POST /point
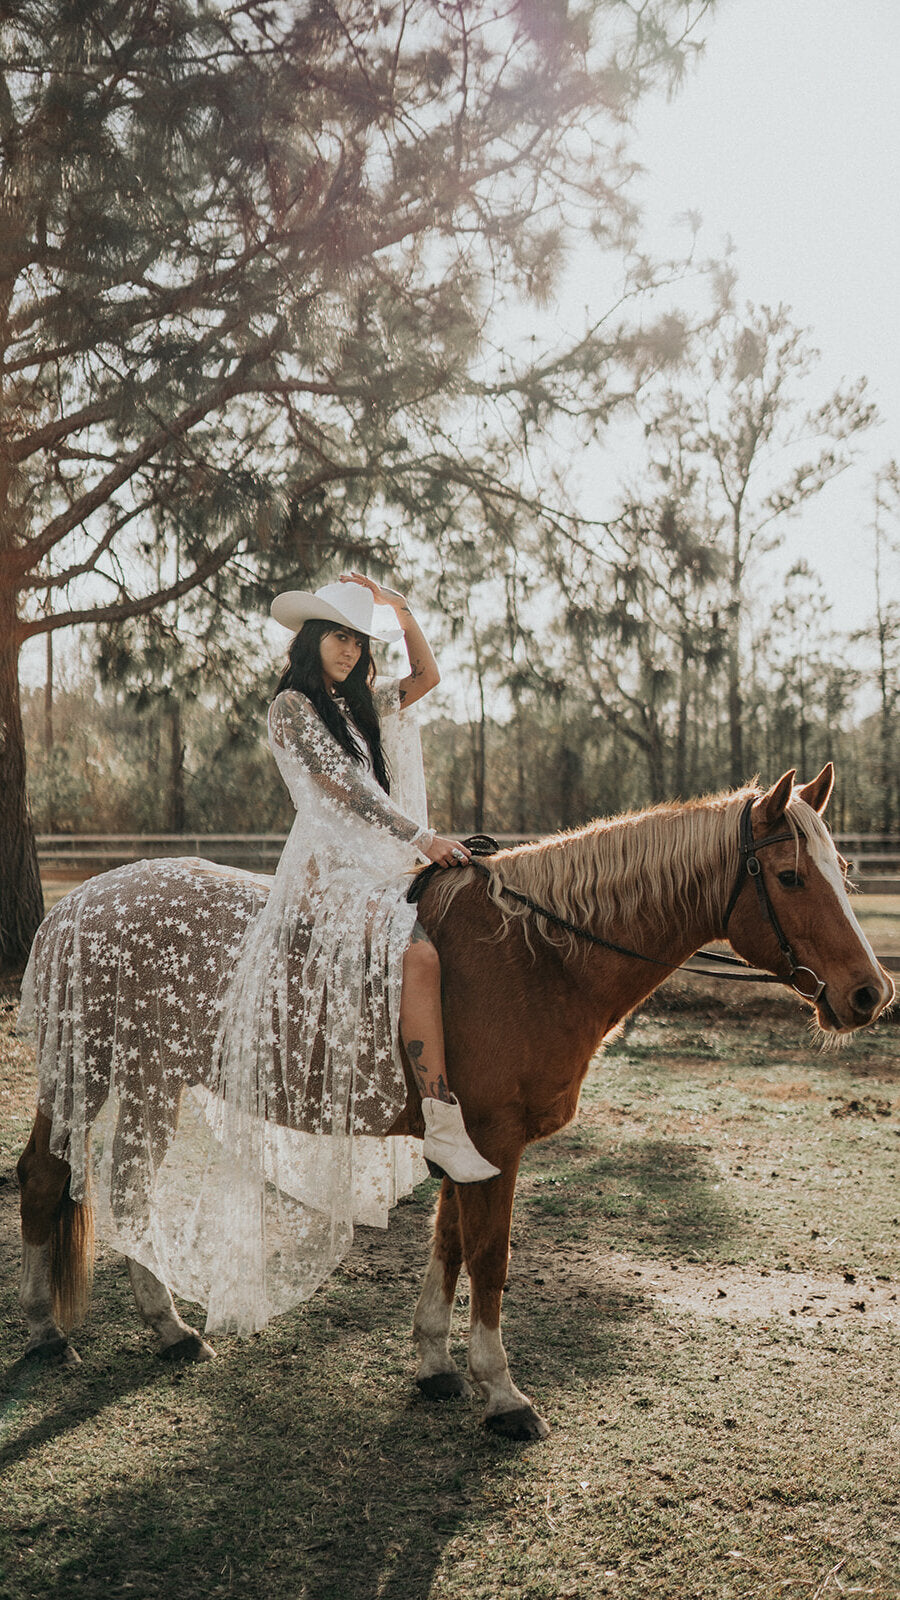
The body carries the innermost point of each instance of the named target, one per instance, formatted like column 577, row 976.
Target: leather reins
column 749, row 869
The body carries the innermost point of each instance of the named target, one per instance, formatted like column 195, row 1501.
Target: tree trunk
column 886, row 730
column 737, row 775
column 21, row 899
column 48, row 695
column 177, row 812
column 679, row 774
column 453, row 795
column 569, row 769
column 521, row 823
column 656, row 769
column 477, row 737
column 735, row 710
column 478, row 751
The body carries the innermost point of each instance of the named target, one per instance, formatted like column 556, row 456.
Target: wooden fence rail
column 874, row 858
column 76, row 855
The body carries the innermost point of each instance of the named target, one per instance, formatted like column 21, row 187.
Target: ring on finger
column 458, row 856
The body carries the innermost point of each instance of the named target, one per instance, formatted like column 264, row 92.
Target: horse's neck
column 663, row 925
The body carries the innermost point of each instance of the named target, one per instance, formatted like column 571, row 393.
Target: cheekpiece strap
column 750, row 867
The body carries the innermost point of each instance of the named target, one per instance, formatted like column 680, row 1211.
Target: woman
column 325, row 724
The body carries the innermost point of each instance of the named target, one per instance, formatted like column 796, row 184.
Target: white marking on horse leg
column 431, row 1325
column 156, row 1306
column 35, row 1299
column 489, row 1369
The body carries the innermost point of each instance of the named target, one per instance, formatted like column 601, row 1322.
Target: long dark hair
column 304, row 673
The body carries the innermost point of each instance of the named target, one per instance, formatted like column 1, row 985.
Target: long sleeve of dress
column 298, row 733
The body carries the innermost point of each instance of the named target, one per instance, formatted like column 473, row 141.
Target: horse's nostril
column 864, row 999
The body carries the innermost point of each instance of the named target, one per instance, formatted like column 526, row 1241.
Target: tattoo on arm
column 418, row 935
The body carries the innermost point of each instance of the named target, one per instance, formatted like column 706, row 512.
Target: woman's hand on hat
column 448, row 852
column 381, row 597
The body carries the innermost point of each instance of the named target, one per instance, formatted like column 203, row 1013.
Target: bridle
column 749, row 869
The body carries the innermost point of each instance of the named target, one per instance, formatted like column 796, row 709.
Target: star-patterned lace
column 230, row 1040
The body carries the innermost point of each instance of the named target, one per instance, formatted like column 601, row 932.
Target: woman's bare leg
column 447, row 1148
column 421, row 1024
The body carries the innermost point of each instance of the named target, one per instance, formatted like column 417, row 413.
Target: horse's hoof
column 443, row 1386
column 190, row 1348
column 523, row 1424
column 58, row 1351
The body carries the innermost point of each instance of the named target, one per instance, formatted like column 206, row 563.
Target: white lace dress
column 231, row 1040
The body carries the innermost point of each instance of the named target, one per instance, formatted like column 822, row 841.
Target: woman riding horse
column 230, row 1044
column 325, row 720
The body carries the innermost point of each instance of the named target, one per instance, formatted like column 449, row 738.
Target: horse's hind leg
column 43, row 1181
column 178, row 1341
column 438, row 1376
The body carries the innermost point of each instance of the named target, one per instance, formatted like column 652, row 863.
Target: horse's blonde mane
column 598, row 876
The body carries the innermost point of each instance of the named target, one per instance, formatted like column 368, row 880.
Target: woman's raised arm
column 423, row 674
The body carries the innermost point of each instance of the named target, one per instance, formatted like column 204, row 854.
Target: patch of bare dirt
column 800, row 1090
column 730, row 1293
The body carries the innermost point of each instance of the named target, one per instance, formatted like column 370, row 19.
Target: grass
column 688, row 1264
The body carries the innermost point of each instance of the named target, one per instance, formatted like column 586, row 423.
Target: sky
column 786, row 139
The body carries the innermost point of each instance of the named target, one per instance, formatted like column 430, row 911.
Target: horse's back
column 129, row 968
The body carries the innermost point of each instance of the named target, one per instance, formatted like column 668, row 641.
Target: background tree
column 246, row 262
column 757, row 453
column 796, row 654
column 883, row 635
column 642, row 623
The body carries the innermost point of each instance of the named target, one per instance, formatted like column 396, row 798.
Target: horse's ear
column 816, row 793
column 773, row 803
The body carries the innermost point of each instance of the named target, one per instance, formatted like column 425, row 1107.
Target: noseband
column 750, row 868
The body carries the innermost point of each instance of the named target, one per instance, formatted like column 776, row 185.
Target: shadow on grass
column 317, row 1474
column 303, row 1465
column 655, row 1190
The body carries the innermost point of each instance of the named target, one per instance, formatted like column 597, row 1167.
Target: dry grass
column 703, row 1300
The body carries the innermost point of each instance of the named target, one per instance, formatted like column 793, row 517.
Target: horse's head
column 790, row 913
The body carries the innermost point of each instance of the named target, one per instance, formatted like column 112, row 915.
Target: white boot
column 448, row 1147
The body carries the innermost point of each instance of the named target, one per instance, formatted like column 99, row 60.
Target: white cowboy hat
column 349, row 603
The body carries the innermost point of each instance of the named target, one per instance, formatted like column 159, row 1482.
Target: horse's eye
column 790, row 879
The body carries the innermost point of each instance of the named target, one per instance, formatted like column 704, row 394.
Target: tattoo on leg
column 429, row 1088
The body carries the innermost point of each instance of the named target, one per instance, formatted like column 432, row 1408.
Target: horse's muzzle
column 860, row 1005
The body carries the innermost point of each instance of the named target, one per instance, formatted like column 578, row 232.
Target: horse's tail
column 71, row 1259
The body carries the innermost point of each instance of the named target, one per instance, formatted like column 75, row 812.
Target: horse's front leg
column 178, row 1341
column 438, row 1376
column 485, row 1217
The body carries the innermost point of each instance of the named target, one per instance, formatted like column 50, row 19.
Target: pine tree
column 246, row 260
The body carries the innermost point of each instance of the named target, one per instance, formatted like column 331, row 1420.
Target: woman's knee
column 421, row 961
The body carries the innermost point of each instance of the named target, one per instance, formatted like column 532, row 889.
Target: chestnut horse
column 527, row 1002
